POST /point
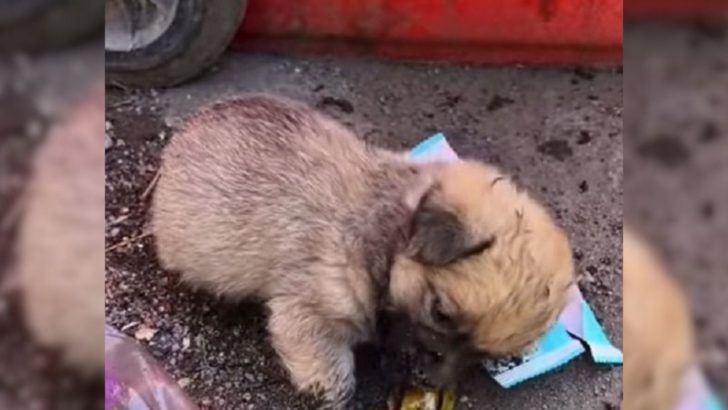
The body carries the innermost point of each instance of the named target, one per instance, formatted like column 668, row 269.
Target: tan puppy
column 61, row 243
column 658, row 337
column 265, row 198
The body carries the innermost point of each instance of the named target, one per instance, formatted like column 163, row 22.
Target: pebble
column 108, row 142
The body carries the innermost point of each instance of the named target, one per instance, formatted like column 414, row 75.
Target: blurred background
column 50, row 57
column 52, row 65
column 676, row 178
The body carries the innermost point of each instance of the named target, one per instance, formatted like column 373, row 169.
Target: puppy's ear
column 437, row 236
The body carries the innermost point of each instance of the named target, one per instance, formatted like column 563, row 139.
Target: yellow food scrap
column 425, row 399
column 448, row 400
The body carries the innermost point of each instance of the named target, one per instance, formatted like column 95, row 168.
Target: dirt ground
column 676, row 162
column 558, row 131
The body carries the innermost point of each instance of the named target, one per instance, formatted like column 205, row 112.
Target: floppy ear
column 437, row 236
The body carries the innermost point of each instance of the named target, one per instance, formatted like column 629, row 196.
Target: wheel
column 161, row 43
column 36, row 25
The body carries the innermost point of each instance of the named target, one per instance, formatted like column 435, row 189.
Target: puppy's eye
column 479, row 248
column 439, row 316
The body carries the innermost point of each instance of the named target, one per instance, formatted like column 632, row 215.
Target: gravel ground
column 676, row 160
column 558, row 131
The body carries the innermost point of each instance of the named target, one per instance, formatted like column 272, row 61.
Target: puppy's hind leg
column 318, row 359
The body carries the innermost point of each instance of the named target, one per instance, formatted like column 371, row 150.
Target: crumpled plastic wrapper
column 135, row 381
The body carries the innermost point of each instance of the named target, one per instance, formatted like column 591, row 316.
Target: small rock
column 249, row 377
column 247, row 397
column 184, row 382
column 108, row 142
column 145, row 333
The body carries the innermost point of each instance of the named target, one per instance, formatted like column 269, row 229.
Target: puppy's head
column 486, row 270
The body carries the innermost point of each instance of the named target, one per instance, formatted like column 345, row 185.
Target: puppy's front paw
column 317, row 362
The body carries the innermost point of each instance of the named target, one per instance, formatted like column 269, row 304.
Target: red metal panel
column 677, row 9
column 480, row 31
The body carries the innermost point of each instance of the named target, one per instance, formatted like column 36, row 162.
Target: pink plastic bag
column 135, row 381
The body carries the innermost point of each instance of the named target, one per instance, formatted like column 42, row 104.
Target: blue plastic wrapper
column 576, row 331
column 696, row 393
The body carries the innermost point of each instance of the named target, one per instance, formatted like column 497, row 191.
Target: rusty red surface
column 476, row 31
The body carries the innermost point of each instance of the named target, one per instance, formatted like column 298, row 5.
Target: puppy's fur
column 61, row 242
column 658, row 335
column 265, row 198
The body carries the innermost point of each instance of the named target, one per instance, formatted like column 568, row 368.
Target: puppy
column 658, row 335
column 61, row 243
column 265, row 198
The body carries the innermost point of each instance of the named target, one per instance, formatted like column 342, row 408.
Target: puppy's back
column 249, row 188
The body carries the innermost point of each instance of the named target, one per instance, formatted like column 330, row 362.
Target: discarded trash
column 135, row 381
column 418, row 398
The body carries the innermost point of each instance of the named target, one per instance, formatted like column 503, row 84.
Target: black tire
column 199, row 33
column 40, row 25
